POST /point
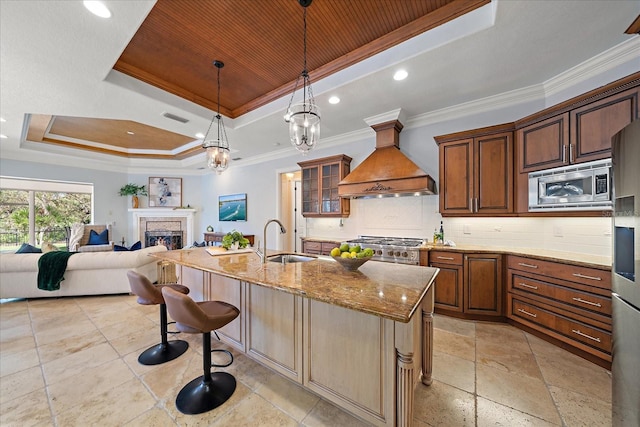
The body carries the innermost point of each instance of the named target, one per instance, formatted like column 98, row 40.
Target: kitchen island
column 360, row 339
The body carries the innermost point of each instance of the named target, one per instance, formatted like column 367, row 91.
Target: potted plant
column 234, row 240
column 133, row 190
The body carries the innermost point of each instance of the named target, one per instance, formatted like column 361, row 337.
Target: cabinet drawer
column 565, row 327
column 445, row 257
column 327, row 246
column 311, row 247
column 583, row 300
column 573, row 273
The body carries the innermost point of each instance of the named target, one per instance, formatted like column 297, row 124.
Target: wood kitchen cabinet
column 448, row 286
column 483, row 284
column 476, row 172
column 576, row 131
column 580, row 135
column 593, row 125
column 320, row 178
column 469, row 284
column 318, row 247
column 544, row 144
column 568, row 303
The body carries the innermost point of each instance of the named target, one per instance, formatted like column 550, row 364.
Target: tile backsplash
column 418, row 216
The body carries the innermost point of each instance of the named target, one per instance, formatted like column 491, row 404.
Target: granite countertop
column 391, row 291
column 574, row 258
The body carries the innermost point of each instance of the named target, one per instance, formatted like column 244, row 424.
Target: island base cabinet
column 353, row 359
column 229, row 290
column 274, row 330
column 194, row 280
column 366, row 364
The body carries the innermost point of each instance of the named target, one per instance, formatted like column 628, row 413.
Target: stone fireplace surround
column 157, row 219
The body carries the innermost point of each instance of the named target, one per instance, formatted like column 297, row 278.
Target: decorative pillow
column 98, row 239
column 136, row 246
column 48, row 247
column 28, row 249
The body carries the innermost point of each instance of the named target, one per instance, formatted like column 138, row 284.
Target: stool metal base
column 161, row 353
column 201, row 395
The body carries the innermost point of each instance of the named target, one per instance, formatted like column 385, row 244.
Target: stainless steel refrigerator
column 625, row 277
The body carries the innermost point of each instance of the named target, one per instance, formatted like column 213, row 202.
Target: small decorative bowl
column 351, row 264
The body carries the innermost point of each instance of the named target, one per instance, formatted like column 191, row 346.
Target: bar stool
column 210, row 390
column 150, row 294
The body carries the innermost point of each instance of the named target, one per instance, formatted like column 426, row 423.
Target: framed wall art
column 165, row 192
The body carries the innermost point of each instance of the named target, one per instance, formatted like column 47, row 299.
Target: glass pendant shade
column 217, row 149
column 217, row 155
column 304, row 126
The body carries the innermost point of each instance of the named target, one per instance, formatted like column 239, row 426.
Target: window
column 34, row 211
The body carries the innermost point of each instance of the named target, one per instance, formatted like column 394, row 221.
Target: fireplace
column 170, row 239
column 171, row 227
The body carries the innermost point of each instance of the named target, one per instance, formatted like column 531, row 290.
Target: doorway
column 291, row 209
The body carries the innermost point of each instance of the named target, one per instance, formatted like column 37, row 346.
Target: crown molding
column 626, row 52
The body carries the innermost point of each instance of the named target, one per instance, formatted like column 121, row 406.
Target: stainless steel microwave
column 582, row 186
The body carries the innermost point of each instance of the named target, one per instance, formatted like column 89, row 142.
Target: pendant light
column 303, row 117
column 217, row 148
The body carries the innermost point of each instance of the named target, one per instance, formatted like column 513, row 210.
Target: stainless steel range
column 401, row 250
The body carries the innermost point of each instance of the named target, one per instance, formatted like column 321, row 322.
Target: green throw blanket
column 51, row 268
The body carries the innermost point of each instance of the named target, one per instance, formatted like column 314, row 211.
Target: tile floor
column 73, row 362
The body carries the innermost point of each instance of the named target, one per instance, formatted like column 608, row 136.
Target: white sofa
column 88, row 273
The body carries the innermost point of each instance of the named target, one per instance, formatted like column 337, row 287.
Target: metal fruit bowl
column 351, row 264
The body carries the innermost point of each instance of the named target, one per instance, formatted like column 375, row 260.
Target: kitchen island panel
column 229, row 290
column 350, row 360
column 194, row 279
column 274, row 330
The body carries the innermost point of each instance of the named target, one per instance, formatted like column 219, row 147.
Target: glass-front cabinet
column 320, row 178
column 310, row 190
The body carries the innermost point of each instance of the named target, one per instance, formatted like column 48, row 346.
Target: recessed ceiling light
column 97, row 8
column 334, row 100
column 2, row 119
column 275, row 144
column 400, row 75
column 199, row 135
column 130, row 133
column 3, row 136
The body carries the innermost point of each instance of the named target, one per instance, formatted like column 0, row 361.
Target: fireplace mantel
column 187, row 214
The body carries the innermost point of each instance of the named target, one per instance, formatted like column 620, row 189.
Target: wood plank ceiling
column 260, row 42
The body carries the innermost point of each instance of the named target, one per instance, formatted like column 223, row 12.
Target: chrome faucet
column 263, row 255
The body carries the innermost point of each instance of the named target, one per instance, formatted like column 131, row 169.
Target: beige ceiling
column 261, row 45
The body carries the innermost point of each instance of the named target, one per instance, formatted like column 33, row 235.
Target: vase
column 135, row 202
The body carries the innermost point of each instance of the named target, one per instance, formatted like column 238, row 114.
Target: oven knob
column 404, row 254
column 379, row 252
column 397, row 253
column 390, row 253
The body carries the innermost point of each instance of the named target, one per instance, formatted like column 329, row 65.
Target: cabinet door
column 275, row 339
column 456, row 176
column 483, row 284
column 330, row 201
column 310, row 190
column 493, row 180
column 448, row 287
column 593, row 125
column 544, row 144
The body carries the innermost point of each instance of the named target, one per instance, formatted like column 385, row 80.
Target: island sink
column 287, row 258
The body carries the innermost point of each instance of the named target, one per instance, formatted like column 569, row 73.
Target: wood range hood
column 387, row 172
